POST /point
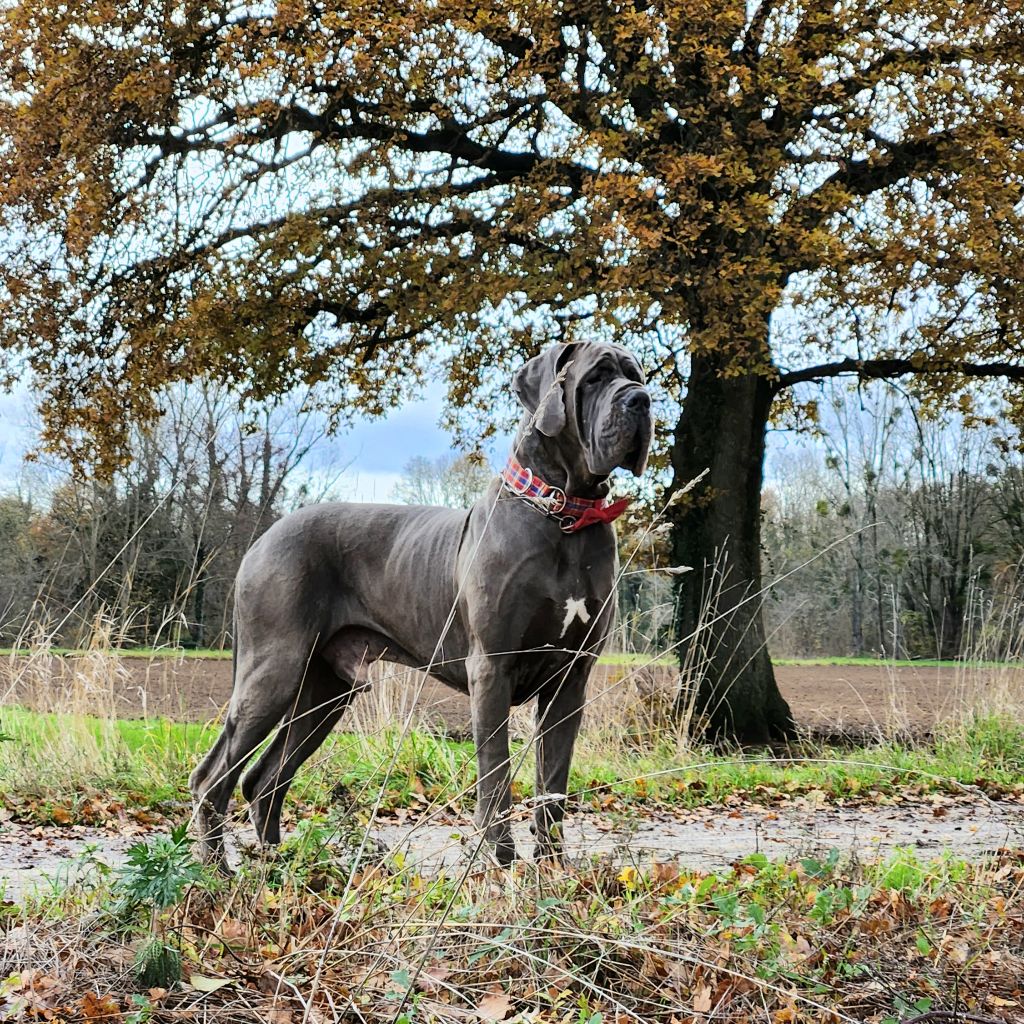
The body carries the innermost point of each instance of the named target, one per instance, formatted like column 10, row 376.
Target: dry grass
column 308, row 938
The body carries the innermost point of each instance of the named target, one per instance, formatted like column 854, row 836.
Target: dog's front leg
column 490, row 700
column 559, row 712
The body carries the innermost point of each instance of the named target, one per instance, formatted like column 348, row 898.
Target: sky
column 363, row 463
column 374, row 452
column 369, row 457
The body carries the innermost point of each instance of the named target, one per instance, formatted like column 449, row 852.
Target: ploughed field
column 827, row 700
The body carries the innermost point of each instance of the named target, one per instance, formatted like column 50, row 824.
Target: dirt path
column 709, row 838
column 824, row 698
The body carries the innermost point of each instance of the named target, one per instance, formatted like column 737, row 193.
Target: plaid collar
column 572, row 513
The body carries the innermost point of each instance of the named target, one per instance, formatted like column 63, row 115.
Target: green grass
column 601, row 940
column 893, row 662
column 623, row 658
column 123, row 652
column 219, row 655
column 64, row 761
column 189, row 652
column 632, row 658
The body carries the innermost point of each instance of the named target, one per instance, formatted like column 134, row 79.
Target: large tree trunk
column 728, row 681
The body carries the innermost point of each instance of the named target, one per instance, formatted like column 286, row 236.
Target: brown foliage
column 321, row 192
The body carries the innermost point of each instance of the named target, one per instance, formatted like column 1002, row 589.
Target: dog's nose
column 638, row 400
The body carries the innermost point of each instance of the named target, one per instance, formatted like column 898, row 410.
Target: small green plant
column 142, row 1011
column 152, row 881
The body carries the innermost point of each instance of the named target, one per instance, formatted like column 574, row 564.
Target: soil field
column 826, row 699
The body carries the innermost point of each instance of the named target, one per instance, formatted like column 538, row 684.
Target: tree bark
column 728, row 682
column 857, row 588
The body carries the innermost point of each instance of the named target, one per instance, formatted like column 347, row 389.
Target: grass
column 333, row 929
column 121, row 652
column 896, row 662
column 626, row 658
column 52, row 766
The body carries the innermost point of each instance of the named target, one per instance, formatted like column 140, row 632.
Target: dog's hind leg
column 318, row 706
column 262, row 694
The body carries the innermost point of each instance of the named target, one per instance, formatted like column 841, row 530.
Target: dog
column 508, row 601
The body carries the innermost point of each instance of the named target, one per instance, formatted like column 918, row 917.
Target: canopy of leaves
column 307, row 191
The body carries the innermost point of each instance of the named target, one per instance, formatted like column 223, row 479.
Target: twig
column 952, row 1015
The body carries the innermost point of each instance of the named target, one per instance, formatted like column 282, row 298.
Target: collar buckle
column 524, row 489
column 559, row 499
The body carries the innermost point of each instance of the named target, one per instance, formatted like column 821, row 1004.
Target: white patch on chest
column 575, row 608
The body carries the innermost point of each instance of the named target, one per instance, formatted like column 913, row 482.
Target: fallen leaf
column 997, row 1001
column 432, row 981
column 97, row 1007
column 203, row 984
column 702, row 999
column 233, row 931
column 877, row 924
column 664, row 874
column 495, row 1006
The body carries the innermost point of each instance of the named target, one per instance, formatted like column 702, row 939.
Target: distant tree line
column 884, row 534
column 153, row 552
column 896, row 535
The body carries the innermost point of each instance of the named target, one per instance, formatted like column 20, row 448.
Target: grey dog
column 507, row 601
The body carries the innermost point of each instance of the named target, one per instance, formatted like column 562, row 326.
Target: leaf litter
column 621, row 938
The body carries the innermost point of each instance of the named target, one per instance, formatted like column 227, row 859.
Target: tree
column 944, row 525
column 19, row 573
column 154, row 549
column 452, row 480
column 333, row 193
column 889, row 534
column 861, row 447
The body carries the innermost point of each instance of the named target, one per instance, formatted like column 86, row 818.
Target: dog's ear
column 540, row 390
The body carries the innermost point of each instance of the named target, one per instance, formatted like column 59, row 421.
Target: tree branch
column 879, row 369
column 917, row 62
column 897, row 160
column 753, row 33
column 450, row 139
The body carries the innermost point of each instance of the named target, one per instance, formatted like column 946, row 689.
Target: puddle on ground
column 47, row 858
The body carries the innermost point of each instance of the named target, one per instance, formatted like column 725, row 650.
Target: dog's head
column 590, row 398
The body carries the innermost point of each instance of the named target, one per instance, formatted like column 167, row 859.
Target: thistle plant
column 152, row 881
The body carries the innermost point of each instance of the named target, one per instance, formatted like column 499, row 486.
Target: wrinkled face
column 612, row 410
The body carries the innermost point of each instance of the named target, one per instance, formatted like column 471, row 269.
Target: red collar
column 572, row 513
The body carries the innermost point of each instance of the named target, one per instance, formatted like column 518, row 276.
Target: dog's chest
column 573, row 613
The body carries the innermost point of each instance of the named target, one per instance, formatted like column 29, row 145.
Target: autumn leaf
column 665, row 874
column 201, row 983
column 629, row 877
column 96, row 1007
column 60, row 815
column 702, row 999
column 432, row 980
column 495, row 1006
